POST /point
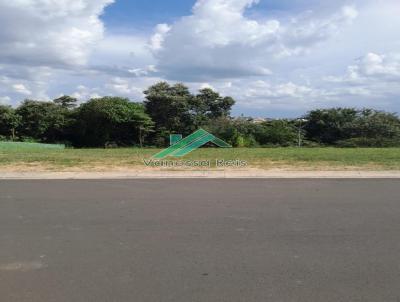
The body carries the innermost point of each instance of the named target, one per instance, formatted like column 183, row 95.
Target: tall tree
column 9, row 121
column 111, row 119
column 330, row 125
column 175, row 110
column 66, row 101
column 210, row 104
column 377, row 124
column 44, row 121
column 169, row 107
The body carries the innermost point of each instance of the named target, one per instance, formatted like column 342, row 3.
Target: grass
column 34, row 157
column 16, row 146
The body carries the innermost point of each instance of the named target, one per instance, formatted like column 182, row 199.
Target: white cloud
column 269, row 62
column 5, row 100
column 124, row 87
column 377, row 65
column 278, row 91
column 350, row 12
column 40, row 40
column 20, row 88
column 206, row 85
column 130, row 87
column 83, row 93
column 159, row 35
column 261, row 94
column 43, row 32
column 22, row 81
column 219, row 41
column 122, row 56
column 371, row 66
column 374, row 75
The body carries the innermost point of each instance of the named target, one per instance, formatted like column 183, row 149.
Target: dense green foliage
column 167, row 109
column 352, row 128
column 175, row 110
column 9, row 121
column 110, row 120
column 43, row 121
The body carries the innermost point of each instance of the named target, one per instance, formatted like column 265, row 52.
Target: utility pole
column 140, row 136
column 300, row 136
column 300, row 128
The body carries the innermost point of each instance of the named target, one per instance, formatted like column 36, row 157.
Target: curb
column 202, row 175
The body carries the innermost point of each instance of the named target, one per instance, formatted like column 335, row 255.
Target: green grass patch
column 17, row 146
column 56, row 157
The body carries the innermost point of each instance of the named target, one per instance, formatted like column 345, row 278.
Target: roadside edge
column 201, row 174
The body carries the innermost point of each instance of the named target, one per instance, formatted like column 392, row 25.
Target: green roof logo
column 181, row 147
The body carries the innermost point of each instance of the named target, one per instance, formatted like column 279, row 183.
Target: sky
column 277, row 58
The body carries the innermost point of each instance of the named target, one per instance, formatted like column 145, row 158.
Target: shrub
column 368, row 142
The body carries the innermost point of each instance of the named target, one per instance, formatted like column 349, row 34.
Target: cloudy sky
column 277, row 58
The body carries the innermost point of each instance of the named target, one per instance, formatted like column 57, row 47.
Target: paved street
column 200, row 240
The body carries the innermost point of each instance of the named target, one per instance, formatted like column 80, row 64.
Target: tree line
column 168, row 109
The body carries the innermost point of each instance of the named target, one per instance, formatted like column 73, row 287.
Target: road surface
column 200, row 240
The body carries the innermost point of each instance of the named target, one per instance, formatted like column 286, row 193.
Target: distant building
column 259, row 120
column 255, row 120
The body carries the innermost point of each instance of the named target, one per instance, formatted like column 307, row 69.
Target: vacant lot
column 35, row 157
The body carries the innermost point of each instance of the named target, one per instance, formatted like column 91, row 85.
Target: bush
column 280, row 133
column 368, row 142
column 237, row 132
column 352, row 127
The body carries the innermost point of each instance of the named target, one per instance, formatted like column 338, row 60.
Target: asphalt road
column 200, row 240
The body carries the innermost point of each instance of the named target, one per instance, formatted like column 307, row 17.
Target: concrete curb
column 203, row 174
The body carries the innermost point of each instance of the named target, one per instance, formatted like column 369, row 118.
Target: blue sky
column 276, row 58
column 144, row 14
column 149, row 13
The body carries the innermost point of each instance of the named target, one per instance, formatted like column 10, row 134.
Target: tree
column 175, row 110
column 9, row 121
column 351, row 127
column 210, row 103
column 43, row 121
column 377, row 124
column 373, row 128
column 169, row 107
column 66, row 102
column 111, row 119
column 239, row 132
column 330, row 125
column 277, row 132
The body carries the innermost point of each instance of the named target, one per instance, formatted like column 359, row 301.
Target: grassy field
column 17, row 146
column 37, row 157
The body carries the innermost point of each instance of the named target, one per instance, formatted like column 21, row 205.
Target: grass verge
column 37, row 157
